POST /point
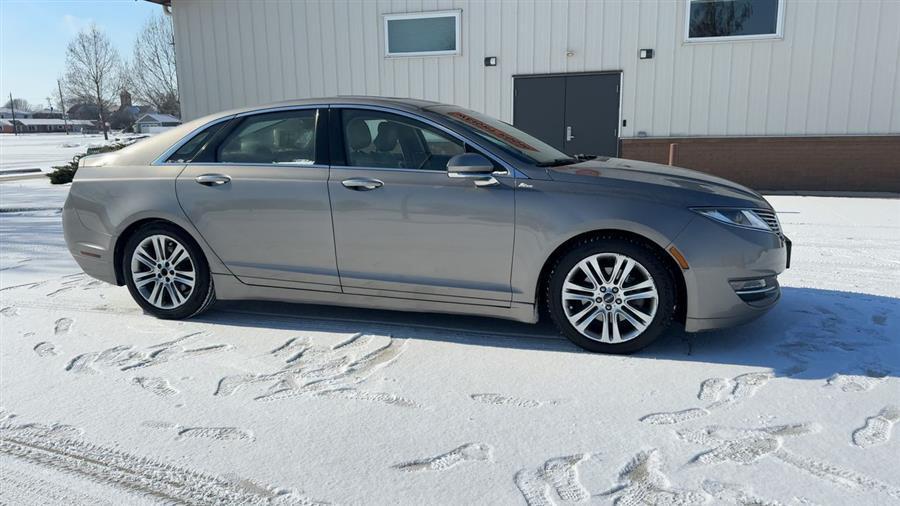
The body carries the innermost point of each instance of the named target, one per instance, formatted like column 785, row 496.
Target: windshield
column 504, row 135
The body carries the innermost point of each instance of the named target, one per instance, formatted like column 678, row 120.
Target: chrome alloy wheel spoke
column 163, row 272
column 609, row 297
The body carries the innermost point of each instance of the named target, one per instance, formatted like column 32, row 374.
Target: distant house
column 47, row 114
column 6, row 126
column 155, row 122
column 7, row 113
column 48, row 125
column 125, row 116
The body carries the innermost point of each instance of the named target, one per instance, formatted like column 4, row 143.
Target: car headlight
column 746, row 218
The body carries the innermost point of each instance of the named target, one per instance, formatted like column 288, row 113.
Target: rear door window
column 286, row 137
column 189, row 149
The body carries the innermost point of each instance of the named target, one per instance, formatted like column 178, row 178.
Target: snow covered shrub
column 63, row 174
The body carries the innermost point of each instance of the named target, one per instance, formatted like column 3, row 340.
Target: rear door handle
column 569, row 135
column 362, row 184
column 213, row 179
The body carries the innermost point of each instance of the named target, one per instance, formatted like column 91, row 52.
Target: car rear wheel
column 611, row 295
column 166, row 272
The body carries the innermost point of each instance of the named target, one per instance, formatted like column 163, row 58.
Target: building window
column 422, row 34
column 718, row 20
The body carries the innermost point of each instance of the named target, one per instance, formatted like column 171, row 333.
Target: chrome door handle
column 213, row 179
column 569, row 135
column 362, row 183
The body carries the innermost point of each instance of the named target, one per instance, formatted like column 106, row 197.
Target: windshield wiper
column 557, row 162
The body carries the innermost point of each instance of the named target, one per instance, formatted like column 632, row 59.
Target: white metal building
column 723, row 80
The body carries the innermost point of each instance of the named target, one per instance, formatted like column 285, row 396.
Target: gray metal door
column 575, row 113
column 539, row 108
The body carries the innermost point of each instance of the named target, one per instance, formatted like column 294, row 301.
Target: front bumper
column 718, row 255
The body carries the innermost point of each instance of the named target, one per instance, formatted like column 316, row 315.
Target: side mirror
column 472, row 166
column 469, row 163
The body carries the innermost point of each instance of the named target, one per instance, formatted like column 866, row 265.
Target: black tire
column 203, row 295
column 647, row 256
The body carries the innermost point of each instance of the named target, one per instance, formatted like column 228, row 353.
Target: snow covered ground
column 43, row 151
column 294, row 404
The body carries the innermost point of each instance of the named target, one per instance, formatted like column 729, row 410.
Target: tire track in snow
column 164, row 481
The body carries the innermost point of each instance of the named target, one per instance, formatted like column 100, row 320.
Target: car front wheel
column 611, row 295
column 167, row 273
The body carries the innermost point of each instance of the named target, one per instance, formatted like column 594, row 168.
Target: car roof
column 409, row 104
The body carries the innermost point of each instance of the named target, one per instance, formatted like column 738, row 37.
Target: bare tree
column 92, row 66
column 19, row 104
column 153, row 75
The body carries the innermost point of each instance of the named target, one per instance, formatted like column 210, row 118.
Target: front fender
column 551, row 213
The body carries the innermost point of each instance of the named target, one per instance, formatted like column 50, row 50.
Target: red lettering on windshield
column 496, row 132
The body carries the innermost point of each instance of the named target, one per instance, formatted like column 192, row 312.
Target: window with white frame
column 422, row 34
column 715, row 20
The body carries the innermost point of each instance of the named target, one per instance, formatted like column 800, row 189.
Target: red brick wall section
column 845, row 163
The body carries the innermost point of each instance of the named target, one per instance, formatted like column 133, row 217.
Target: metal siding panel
column 838, row 105
column 644, row 71
column 507, row 58
column 802, row 34
column 739, row 90
column 885, row 96
column 626, row 60
column 719, row 88
column 820, row 75
column 865, row 54
column 666, row 44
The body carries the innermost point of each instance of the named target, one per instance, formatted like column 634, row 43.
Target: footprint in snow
column 45, row 349
column 557, row 477
column 470, row 452
column 217, row 433
column 878, row 428
column 62, row 325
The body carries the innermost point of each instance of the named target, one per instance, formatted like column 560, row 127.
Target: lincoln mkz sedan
column 418, row 206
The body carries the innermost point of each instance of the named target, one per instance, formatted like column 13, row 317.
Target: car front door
column 402, row 227
column 258, row 195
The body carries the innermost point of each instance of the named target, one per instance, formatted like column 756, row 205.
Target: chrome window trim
column 234, row 164
column 401, row 169
column 509, row 168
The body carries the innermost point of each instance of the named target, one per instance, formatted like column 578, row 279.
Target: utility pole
column 12, row 105
column 62, row 106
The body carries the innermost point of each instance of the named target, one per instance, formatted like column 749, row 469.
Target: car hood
column 618, row 172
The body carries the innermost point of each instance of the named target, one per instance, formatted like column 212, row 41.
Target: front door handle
column 569, row 135
column 362, row 184
column 213, row 179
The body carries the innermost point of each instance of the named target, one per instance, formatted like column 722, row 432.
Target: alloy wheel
column 610, row 298
column 162, row 271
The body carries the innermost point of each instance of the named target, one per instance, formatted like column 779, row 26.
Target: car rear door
column 402, row 227
column 258, row 195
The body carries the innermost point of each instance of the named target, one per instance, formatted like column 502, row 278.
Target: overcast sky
column 34, row 35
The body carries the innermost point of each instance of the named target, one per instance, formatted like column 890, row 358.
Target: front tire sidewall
column 637, row 251
column 198, row 299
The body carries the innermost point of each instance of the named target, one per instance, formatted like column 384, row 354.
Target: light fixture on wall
column 490, row 61
column 646, row 54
